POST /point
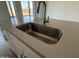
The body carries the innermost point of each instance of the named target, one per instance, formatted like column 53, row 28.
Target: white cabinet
column 20, row 48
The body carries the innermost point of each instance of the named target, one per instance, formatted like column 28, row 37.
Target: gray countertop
column 68, row 46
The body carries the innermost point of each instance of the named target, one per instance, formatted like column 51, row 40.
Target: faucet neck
column 39, row 5
column 44, row 11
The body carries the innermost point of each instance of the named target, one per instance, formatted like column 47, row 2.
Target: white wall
column 4, row 14
column 63, row 10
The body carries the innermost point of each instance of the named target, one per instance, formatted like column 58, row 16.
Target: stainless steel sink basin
column 44, row 33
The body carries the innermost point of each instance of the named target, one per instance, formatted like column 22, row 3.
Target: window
column 12, row 13
column 26, row 10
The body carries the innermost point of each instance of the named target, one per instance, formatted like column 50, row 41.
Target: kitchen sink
column 44, row 33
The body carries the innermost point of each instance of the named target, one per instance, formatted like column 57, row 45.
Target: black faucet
column 44, row 11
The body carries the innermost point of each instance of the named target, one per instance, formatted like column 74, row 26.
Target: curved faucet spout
column 44, row 11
